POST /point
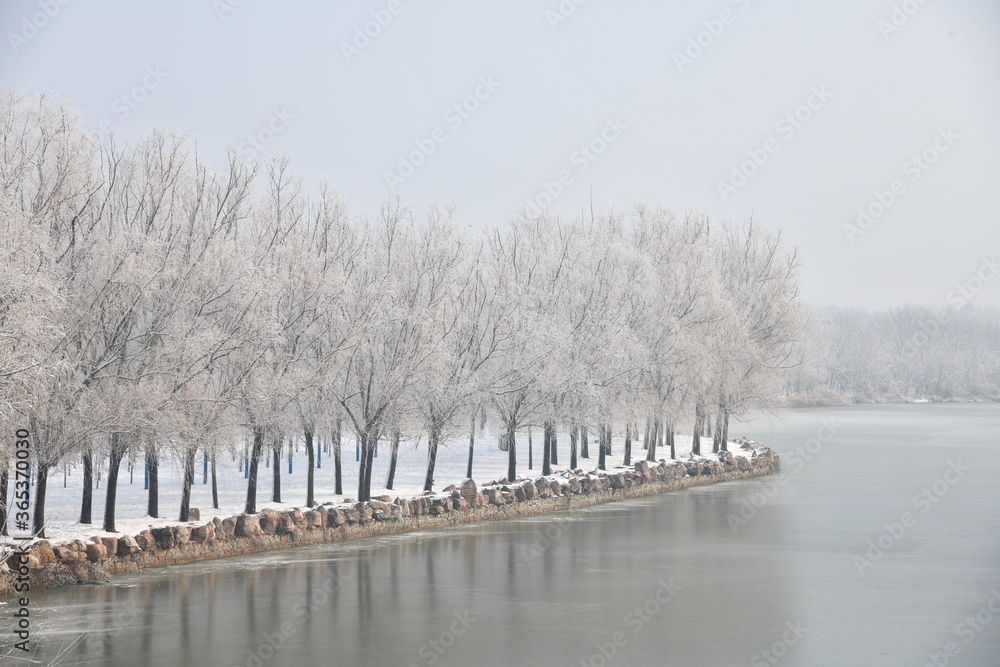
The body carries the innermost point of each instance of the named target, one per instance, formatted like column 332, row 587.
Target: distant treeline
column 911, row 353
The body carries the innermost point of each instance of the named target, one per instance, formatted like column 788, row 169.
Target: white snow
column 62, row 508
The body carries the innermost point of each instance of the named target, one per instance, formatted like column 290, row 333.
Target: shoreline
column 96, row 561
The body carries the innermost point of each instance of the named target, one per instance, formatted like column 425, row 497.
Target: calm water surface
column 677, row 577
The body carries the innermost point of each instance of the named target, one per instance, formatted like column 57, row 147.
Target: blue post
column 145, row 484
column 204, row 471
column 289, row 457
column 246, row 463
column 357, row 449
column 319, row 452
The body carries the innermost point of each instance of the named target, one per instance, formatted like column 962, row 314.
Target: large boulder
column 96, row 552
column 43, row 549
column 247, row 526
column 67, row 552
column 203, row 534
column 469, row 491
column 110, row 545
column 165, row 537
column 127, row 546
column 146, row 541
column 335, row 518
column 529, row 489
column 182, row 534
column 228, row 526
column 315, row 519
column 269, row 522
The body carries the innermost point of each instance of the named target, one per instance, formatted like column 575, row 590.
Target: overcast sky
column 664, row 102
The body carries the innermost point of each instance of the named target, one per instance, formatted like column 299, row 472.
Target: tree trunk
column 338, row 468
column 572, row 445
column 645, row 437
column 215, row 485
column 553, row 455
column 433, row 438
column 86, row 507
column 42, row 481
column 511, row 452
column 310, row 469
column 670, row 432
column 393, row 456
column 472, row 446
column 187, row 482
column 602, row 447
column 111, row 493
column 3, row 498
column 653, row 440
column 696, row 440
column 276, row 479
column 366, row 456
column 584, row 446
column 628, row 444
column 717, row 440
column 370, row 468
column 153, row 501
column 254, row 463
column 546, row 449
column 724, row 440
column 531, row 453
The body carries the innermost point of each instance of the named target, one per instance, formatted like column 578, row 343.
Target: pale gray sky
column 539, row 83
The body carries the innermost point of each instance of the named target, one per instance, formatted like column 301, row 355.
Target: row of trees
column 151, row 305
column 899, row 354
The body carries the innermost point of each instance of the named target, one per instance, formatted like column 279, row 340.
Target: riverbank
column 50, row 565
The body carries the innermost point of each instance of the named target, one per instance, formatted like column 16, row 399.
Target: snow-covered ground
column 62, row 507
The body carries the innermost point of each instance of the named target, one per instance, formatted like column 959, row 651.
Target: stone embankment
column 94, row 561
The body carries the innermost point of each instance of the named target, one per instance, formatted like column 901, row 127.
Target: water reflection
column 549, row 591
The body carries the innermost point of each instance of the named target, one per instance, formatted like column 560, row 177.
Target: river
column 878, row 545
